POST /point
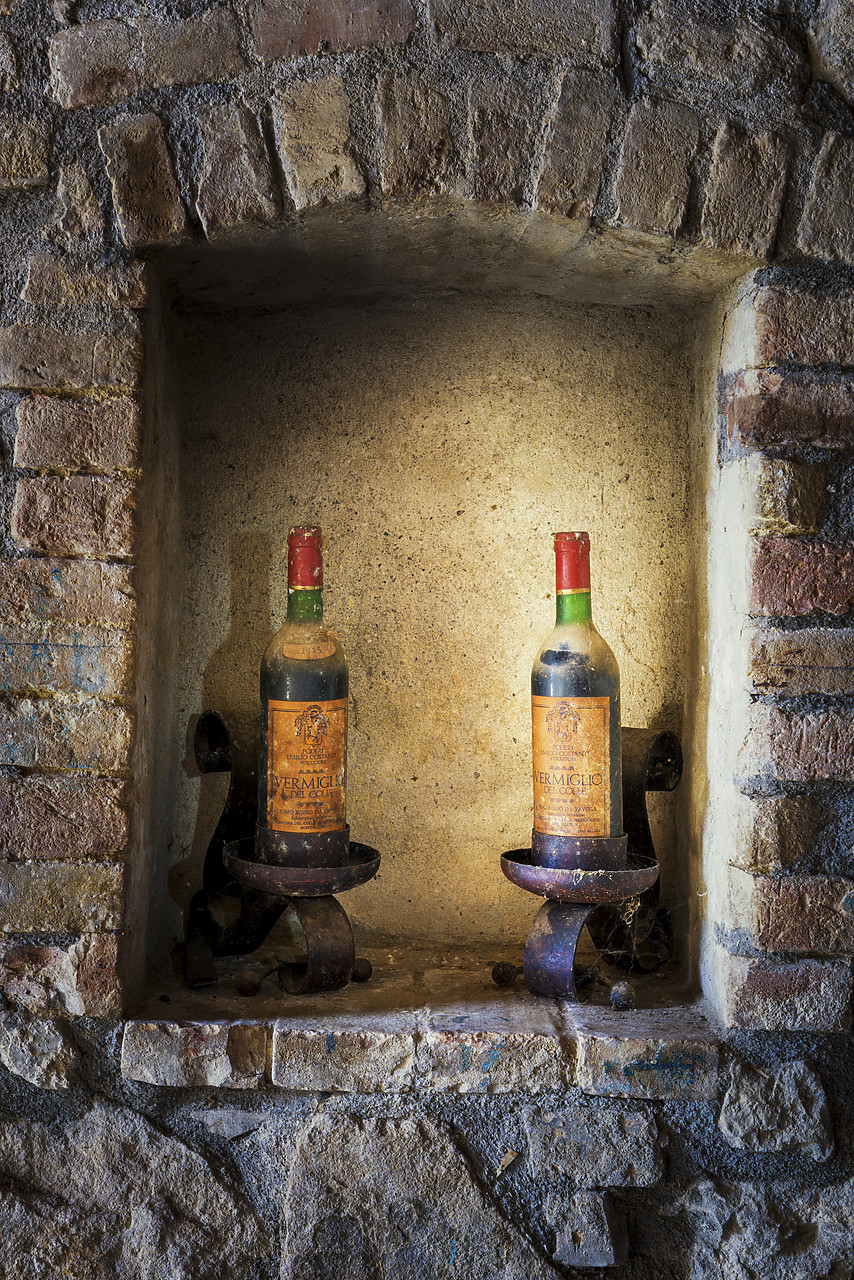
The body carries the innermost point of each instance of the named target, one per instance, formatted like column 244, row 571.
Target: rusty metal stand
column 264, row 892
column 592, row 881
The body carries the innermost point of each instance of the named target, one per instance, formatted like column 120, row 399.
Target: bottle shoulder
column 575, row 660
column 304, row 661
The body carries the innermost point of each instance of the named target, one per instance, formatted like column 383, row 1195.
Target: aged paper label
column 572, row 779
column 305, row 650
column 307, row 754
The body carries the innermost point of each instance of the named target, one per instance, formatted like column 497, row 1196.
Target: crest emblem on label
column 306, row 774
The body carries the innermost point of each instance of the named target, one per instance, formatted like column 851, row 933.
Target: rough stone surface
column 92, row 64
column 771, row 408
column 220, row 1055
column 41, row 359
column 237, row 183
column 47, row 657
column 832, row 46
column 43, row 733
column 61, row 897
column 492, row 1062
column 71, row 979
column 419, row 155
column 581, row 31
column 24, row 152
column 145, row 194
column 643, row 1061
column 84, row 592
column 296, row 28
column 787, row 497
column 800, row 914
column 106, row 1193
column 773, row 833
column 75, row 515
column 744, row 195
column 812, row 661
column 771, row 995
column 807, row 328
column 8, row 64
column 503, row 135
column 793, row 577
column 798, row 746
column 826, row 229
column 349, row 1061
column 593, row 1147
column 79, row 213
column 314, row 137
column 53, row 282
column 77, row 435
column 575, row 151
column 653, row 180
column 590, row 1233
column 785, row 1110
column 39, row 1050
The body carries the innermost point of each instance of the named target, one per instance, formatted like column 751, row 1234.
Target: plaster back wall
column 438, row 440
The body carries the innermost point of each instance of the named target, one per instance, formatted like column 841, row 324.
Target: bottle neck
column 573, row 608
column 305, row 604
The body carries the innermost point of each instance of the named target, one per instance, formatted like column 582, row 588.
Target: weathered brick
column 314, row 138
column 810, row 328
column 647, row 1064
column 46, row 657
column 575, row 150
column 36, row 359
column 74, row 979
column 97, row 63
column 786, row 497
column 767, row 995
column 799, row 746
column 772, row 408
column 653, row 180
column 418, row 152
column 826, row 229
column 75, row 515
column 344, row 1061
column 593, row 1147
column 237, row 183
column 41, row 733
column 802, row 914
column 583, row 31
column 145, row 194
column 491, row 1061
column 8, row 64
column 813, row 661
column 215, row 1055
column 296, row 28
column 61, row 897
column 79, row 211
column 24, row 152
column 744, row 195
column 590, row 1230
column 52, row 281
column 792, row 577
column 503, row 121
column 77, row 435
column 832, row 46
column 72, row 591
column 773, row 833
column 51, row 818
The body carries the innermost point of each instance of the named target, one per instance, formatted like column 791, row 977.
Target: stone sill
column 424, row 1025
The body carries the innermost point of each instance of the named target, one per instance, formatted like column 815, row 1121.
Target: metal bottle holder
column 264, row 890
column 591, row 882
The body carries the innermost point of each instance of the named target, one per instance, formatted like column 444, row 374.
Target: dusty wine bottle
column 575, row 711
column 303, row 741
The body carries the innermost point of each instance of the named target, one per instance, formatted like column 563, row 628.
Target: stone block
column 346, row 1060
column 40, row 1051
column 24, row 152
column 237, row 184
column 812, row 661
column 744, row 194
column 575, row 150
column 43, row 733
column 793, row 577
column 583, row 32
column 41, row 359
column 831, row 38
column 8, row 64
column 419, row 154
column 763, row 994
column 145, row 193
column 773, row 833
column 315, row 141
column 590, row 1231
column 798, row 914
column 52, row 281
column 213, row 1055
column 493, row 1062
column 633, row 1064
column 593, row 1147
column 775, row 408
column 786, row 497
column 806, row 328
column 781, row 1111
column 826, row 229
column 201, row 50
column 77, row 435
column 49, row 657
column 72, row 979
column 71, row 591
column 799, row 746
column 79, row 212
column 653, row 179
column 62, row 897
column 300, row 28
column 92, row 64
column 504, row 121
column 75, row 515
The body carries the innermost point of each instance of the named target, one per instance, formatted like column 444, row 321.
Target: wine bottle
column 575, row 711
column 303, row 740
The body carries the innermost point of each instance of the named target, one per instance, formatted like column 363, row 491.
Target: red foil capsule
column 572, row 561
column 305, row 557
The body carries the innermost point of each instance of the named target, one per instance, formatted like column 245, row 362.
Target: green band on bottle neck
column 305, row 605
column 573, row 607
